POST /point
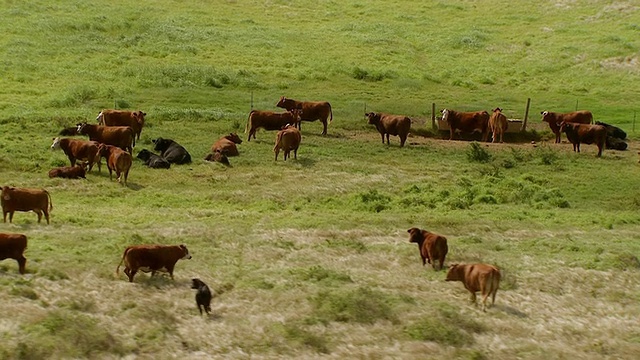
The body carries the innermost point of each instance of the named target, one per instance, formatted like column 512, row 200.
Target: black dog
column 203, row 295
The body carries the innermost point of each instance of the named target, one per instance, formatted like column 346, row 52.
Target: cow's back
column 20, row 199
column 578, row 117
column 395, row 124
column 12, row 246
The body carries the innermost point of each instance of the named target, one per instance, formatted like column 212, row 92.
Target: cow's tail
column 50, row 201
column 246, row 127
column 331, row 114
column 121, row 261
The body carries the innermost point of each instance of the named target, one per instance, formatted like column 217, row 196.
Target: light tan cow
column 477, row 277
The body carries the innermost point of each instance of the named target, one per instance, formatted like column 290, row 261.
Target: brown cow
column 218, row 156
column 477, row 277
column 270, row 120
column 133, row 119
column 120, row 136
column 287, row 139
column 79, row 150
column 432, row 246
column 311, row 110
column 227, row 145
column 554, row 120
column 69, row 172
column 498, row 124
column 584, row 133
column 22, row 199
column 118, row 160
column 12, row 246
column 152, row 258
column 467, row 122
column 390, row 125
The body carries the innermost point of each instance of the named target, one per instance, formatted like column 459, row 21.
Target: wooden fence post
column 433, row 116
column 251, row 101
column 526, row 115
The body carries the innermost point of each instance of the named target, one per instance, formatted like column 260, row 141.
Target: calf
column 477, row 277
column 69, row 172
column 120, row 136
column 172, row 151
column 218, row 156
column 22, row 199
column 287, row 139
column 152, row 160
column 432, row 246
column 203, row 295
column 584, row 133
column 467, row 122
column 152, row 258
column 118, row 160
column 310, row 111
column 227, row 145
column 390, row 125
column 554, row 119
column 498, row 124
column 270, row 120
column 79, row 150
column 133, row 119
column 12, row 246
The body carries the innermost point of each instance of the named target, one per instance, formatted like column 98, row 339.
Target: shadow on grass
column 511, row 311
column 514, row 138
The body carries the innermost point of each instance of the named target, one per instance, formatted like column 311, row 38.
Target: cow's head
column 372, row 118
column 6, row 193
column 161, row 144
column 454, row 273
column 185, row 252
column 234, row 137
column 282, row 101
column 497, row 110
column 445, row 114
column 546, row 117
column 56, row 144
column 564, row 126
column 80, row 127
column 415, row 235
column 139, row 116
column 144, row 154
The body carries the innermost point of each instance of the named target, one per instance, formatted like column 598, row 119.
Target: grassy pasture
column 310, row 258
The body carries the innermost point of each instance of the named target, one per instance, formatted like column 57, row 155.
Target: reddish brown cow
column 390, row 125
column 118, row 160
column 477, row 277
column 217, row 156
column 287, row 139
column 120, row 136
column 554, row 120
column 467, row 122
column 498, row 124
column 584, row 133
column 269, row 120
column 22, row 199
column 133, row 119
column 227, row 145
column 432, row 246
column 68, row 172
column 311, row 110
column 152, row 258
column 79, row 150
column 12, row 246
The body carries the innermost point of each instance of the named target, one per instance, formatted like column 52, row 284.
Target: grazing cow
column 22, row 199
column 585, row 133
column 69, row 131
column 203, row 295
column 477, row 277
column 287, row 139
column 152, row 258
column 390, row 125
column 153, row 160
column 120, row 136
column 467, row 122
column 270, row 120
column 498, row 124
column 12, row 246
column 432, row 246
column 311, row 110
column 227, row 145
column 172, row 151
column 554, row 120
column 118, row 160
column 133, row 119
column 68, row 172
column 613, row 131
column 218, row 156
column 79, row 150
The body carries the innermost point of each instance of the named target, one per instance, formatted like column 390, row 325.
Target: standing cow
column 120, row 136
column 79, row 150
column 554, row 119
column 477, row 277
column 432, row 246
column 133, row 119
column 287, row 139
column 270, row 120
column 12, row 246
column 584, row 133
column 118, row 160
column 467, row 122
column 22, row 199
column 311, row 110
column 390, row 125
column 152, row 258
column 498, row 124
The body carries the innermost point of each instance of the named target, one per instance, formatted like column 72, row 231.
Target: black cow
column 172, row 151
column 203, row 295
column 613, row 131
column 153, row 160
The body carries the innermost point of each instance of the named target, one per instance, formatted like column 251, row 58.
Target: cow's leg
column 39, row 215
column 578, row 146
column 558, row 137
column 46, row 215
column 324, row 129
column 110, row 173
column 403, row 138
column 4, row 215
column 126, row 175
column 22, row 261
column 10, row 217
column 295, row 154
column 473, row 297
column 599, row 150
column 451, row 133
column 388, row 139
column 493, row 136
column 72, row 160
column 277, row 151
column 131, row 274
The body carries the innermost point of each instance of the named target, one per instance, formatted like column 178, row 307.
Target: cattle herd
column 117, row 131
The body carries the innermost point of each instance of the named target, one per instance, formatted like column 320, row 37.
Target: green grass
column 311, row 258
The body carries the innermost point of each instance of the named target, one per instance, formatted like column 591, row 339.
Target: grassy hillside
column 310, row 258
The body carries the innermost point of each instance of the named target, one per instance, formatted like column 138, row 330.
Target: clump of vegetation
column 363, row 305
column 477, row 153
column 297, row 334
column 445, row 326
column 547, row 155
column 374, row 201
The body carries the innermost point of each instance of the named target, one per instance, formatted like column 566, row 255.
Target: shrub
column 363, row 305
column 447, row 326
column 296, row 333
column 374, row 201
column 477, row 153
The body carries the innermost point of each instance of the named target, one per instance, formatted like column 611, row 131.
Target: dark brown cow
column 152, row 258
column 311, row 110
column 287, row 139
column 467, row 122
column 270, row 120
column 133, row 119
column 12, row 246
column 498, row 124
column 584, row 133
column 554, row 119
column 217, row 156
column 227, row 145
column 22, row 199
column 79, row 150
column 120, row 136
column 118, row 160
column 68, row 172
column 432, row 246
column 477, row 277
column 390, row 125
